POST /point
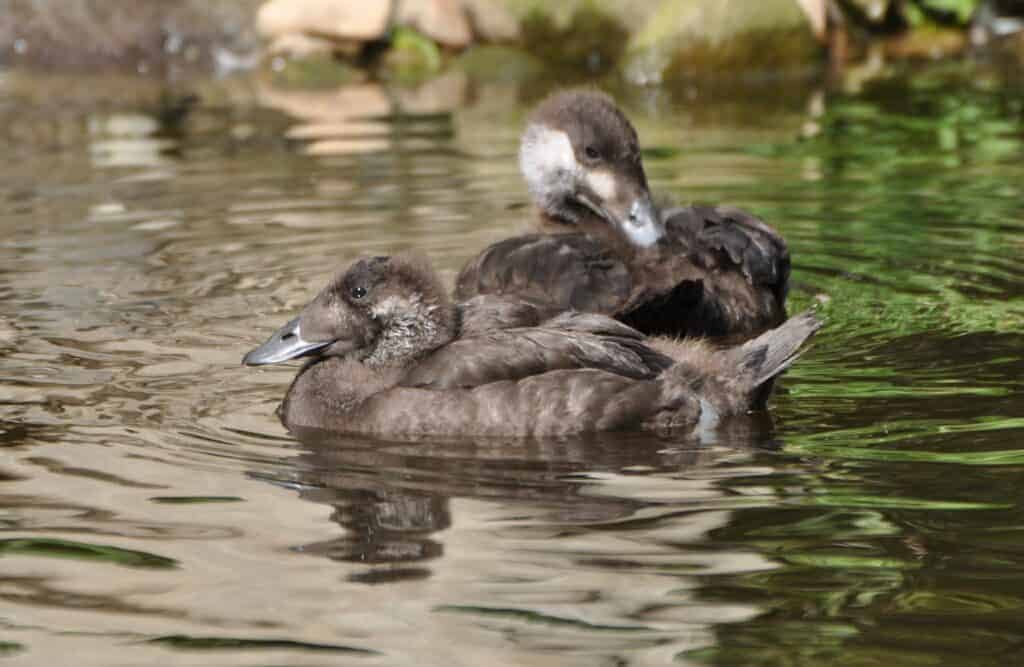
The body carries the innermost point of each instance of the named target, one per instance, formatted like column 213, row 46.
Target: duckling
column 695, row 271
column 390, row 357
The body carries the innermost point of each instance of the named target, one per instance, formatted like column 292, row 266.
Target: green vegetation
column 10, row 648
column 190, row 643
column 592, row 42
column 412, row 57
column 55, row 548
column 314, row 72
column 500, row 63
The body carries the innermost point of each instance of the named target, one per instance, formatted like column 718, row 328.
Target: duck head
column 380, row 310
column 581, row 159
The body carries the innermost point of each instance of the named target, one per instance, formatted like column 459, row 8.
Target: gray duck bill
column 284, row 344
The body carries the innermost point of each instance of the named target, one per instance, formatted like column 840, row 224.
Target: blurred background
column 179, row 176
column 639, row 41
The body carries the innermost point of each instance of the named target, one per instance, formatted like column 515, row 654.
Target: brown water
column 155, row 512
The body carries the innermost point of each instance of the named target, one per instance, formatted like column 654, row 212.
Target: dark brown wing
column 490, row 312
column 720, row 272
column 729, row 238
column 514, row 354
column 556, row 403
column 593, row 323
column 556, row 272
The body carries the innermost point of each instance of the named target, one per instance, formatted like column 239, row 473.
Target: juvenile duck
column 695, row 271
column 391, row 357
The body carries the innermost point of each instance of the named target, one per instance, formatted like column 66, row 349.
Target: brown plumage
column 696, row 271
column 486, row 312
column 391, row 358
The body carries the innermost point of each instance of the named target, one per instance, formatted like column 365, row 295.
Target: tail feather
column 762, row 359
column 737, row 380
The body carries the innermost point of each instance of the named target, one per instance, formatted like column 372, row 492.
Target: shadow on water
column 152, row 508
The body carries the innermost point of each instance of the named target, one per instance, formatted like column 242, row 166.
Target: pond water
column 155, row 512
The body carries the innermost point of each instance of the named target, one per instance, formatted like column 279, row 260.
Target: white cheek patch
column 387, row 306
column 547, row 160
column 393, row 305
column 602, row 183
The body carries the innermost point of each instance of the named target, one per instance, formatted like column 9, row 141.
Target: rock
column 592, row 42
column 490, row 21
column 458, row 23
column 451, row 23
column 718, row 22
column 142, row 35
column 628, row 12
column 500, row 63
column 298, row 45
column 693, row 38
column 342, row 20
column 816, row 11
column 444, row 21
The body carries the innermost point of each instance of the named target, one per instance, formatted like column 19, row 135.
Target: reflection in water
column 153, row 509
column 391, row 498
column 578, row 511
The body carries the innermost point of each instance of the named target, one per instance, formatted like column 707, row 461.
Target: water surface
column 155, row 512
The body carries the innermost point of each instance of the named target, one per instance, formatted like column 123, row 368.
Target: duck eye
column 358, row 292
column 591, row 153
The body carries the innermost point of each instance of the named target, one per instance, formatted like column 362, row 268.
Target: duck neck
column 326, row 392
column 412, row 334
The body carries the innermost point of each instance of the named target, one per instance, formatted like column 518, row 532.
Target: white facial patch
column 547, row 161
column 387, row 306
column 602, row 183
column 395, row 305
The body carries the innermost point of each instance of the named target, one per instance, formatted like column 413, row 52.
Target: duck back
column 719, row 272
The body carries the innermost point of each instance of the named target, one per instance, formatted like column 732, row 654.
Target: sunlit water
column 155, row 512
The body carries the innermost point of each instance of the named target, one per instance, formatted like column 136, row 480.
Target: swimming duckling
column 390, row 358
column 694, row 271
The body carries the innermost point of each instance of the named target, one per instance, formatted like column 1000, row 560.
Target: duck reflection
column 383, row 526
column 393, row 498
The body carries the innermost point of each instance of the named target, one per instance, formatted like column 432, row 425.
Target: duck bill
column 284, row 344
column 635, row 217
column 641, row 222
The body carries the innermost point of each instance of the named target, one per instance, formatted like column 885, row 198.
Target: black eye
column 591, row 153
column 358, row 292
